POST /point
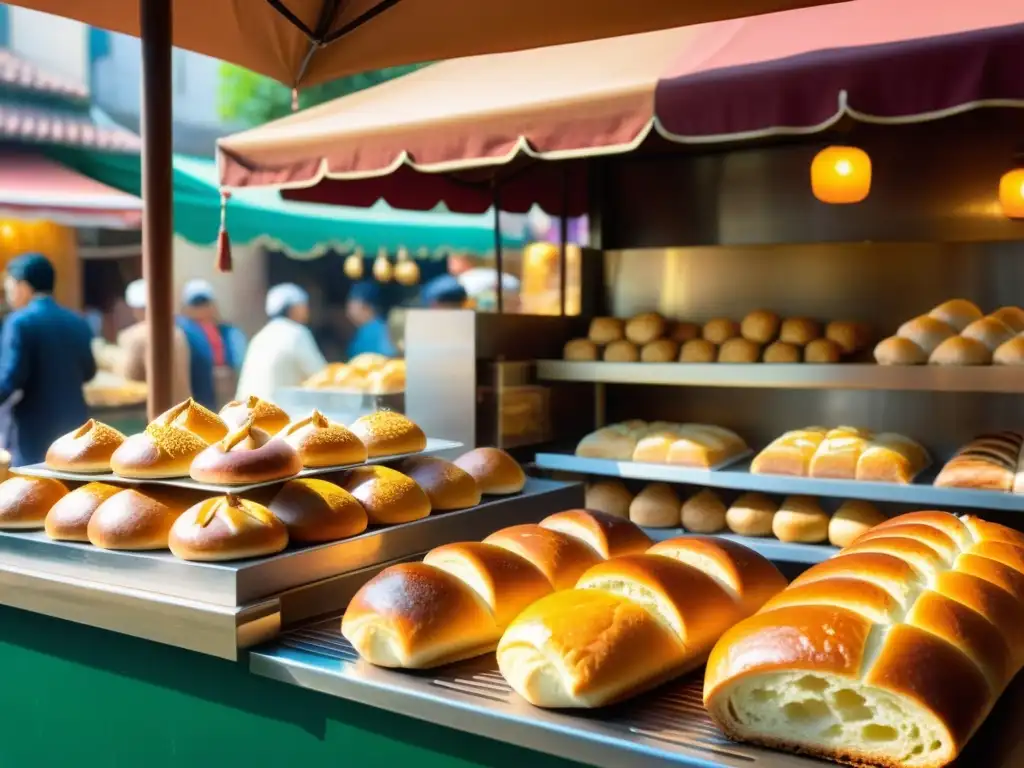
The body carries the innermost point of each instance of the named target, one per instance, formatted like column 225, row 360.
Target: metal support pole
column 499, row 259
column 563, row 233
column 157, row 197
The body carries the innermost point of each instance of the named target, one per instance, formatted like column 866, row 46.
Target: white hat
column 481, row 280
column 282, row 297
column 197, row 290
column 135, row 294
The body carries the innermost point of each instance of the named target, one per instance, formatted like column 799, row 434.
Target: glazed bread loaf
column 87, row 449
column 633, row 623
column 496, row 473
column 457, row 602
column 246, row 455
column 690, row 445
column 321, row 442
column 315, row 511
column 388, row 496
column 891, row 653
column 614, row 442
column 25, row 501
column 388, row 433
column 68, row 519
column 837, row 455
column 789, row 453
column 988, row 462
column 892, row 458
column 226, row 528
column 447, row 485
column 264, row 414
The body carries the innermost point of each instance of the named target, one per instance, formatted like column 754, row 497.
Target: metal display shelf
column 739, row 477
column 665, row 729
column 773, row 549
column 934, row 378
column 218, row 608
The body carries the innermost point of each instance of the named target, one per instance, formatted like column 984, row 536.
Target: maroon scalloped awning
column 440, row 135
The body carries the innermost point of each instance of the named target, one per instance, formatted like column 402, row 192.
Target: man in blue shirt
column 371, row 331
column 211, row 342
column 46, row 356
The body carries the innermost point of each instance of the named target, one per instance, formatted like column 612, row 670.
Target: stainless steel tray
column 773, row 549
column 434, row 445
column 666, row 729
column 739, row 477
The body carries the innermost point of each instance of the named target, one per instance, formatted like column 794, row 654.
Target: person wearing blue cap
column 46, row 356
column 212, row 344
column 444, row 292
column 362, row 309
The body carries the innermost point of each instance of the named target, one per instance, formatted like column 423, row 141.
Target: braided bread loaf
column 456, row 603
column 893, row 652
column 633, row 622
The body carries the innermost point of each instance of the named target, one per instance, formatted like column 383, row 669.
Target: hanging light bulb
column 382, row 267
column 407, row 271
column 353, row 266
column 841, row 175
column 1011, row 193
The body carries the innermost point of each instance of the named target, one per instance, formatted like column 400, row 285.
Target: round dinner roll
column 447, row 485
column 195, row 418
column 800, row 518
column 495, row 471
column 621, row 351
column 926, row 332
column 645, row 328
column 608, row 535
column 739, row 350
column 751, row 515
column 247, row 455
column 799, row 331
column 162, row 451
column 760, row 326
column 389, row 433
column 851, row 337
column 1010, row 352
column 656, row 506
column 704, row 512
column 25, row 501
column 853, row 518
column 388, row 496
column 68, row 519
column 226, row 528
column 368, row 362
column 1012, row 316
column 580, row 349
column 321, row 442
column 897, row 350
column 698, row 351
column 388, row 379
column 561, row 558
column 781, row 352
column 264, row 414
column 960, row 350
column 605, row 330
column 659, row 351
column 608, row 496
column 138, row 519
column 87, row 449
column 682, row 332
column 316, row 511
column 958, row 313
column 822, row 351
column 720, row 330
column 990, row 331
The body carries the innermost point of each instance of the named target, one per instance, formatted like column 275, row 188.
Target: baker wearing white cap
column 284, row 352
column 133, row 342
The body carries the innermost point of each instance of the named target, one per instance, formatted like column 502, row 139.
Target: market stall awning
column 36, row 188
column 441, row 133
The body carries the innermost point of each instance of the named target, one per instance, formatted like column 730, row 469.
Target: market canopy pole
column 157, row 198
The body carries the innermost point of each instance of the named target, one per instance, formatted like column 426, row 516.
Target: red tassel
column 223, row 241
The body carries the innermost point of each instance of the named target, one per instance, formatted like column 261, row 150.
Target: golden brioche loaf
column 246, row 455
column 496, row 473
column 68, row 519
column 388, row 496
column 447, row 485
column 614, row 442
column 264, row 414
column 25, row 501
column 86, row 449
column 388, row 433
column 315, row 511
column 226, row 528
column 790, row 453
column 321, row 442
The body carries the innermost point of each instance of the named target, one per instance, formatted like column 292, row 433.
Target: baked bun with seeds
column 87, row 449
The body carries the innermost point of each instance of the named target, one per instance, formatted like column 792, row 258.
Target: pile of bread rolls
column 957, row 333
column 109, row 391
column 795, row 519
column 989, row 462
column 660, row 442
column 200, row 527
column 762, row 336
column 368, row 373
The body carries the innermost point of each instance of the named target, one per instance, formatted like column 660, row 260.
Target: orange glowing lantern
column 1011, row 193
column 841, row 175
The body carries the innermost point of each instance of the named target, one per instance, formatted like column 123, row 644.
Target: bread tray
column 434, row 445
column 668, row 728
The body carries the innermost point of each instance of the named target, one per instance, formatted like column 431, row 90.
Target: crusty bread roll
column 958, row 313
column 739, row 350
column 659, row 351
column 87, row 449
column 320, row 442
column 621, row 352
column 447, row 485
column 1012, row 316
column 68, row 519
column 897, row 350
column 195, row 418
column 990, row 331
column 631, row 623
column 698, row 351
column 837, row 455
column 315, row 511
column 656, row 506
column 891, row 653
column 608, row 496
column 226, row 528
column 751, row 515
column 851, row 337
column 25, row 501
column 1010, row 352
column 720, row 330
column 800, row 518
column 926, row 332
column 960, row 350
column 789, row 453
column 853, row 518
column 781, row 352
column 988, row 462
column 246, row 455
column 388, row 433
column 760, row 326
column 799, row 331
column 703, row 512
column 682, row 332
column 892, row 458
column 645, row 328
column 388, row 496
column 264, row 414
column 822, row 351
column 494, row 470
column 581, row 349
column 138, row 519
column 613, row 442
column 161, row 451
column 605, row 330
column 608, row 535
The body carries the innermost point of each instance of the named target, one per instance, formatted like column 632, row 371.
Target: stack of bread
column 957, row 333
column 796, row 519
column 686, row 445
column 107, row 390
column 892, row 653
column 990, row 462
column 368, row 373
column 762, row 336
column 843, row 453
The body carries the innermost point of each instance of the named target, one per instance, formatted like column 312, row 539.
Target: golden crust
column 265, row 415
column 25, row 501
column 321, row 442
column 387, row 433
column 86, row 449
column 317, row 511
